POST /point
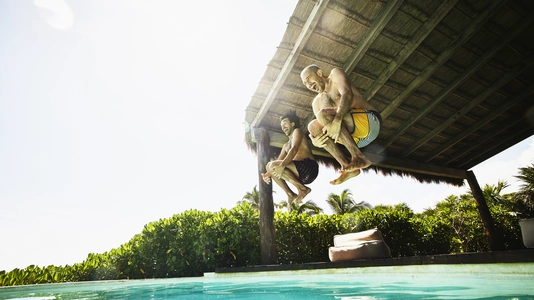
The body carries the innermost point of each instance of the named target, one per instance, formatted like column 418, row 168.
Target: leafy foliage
column 187, row 244
column 524, row 198
column 395, row 223
column 236, row 236
column 194, row 242
column 434, row 235
column 460, row 214
column 344, row 203
column 253, row 198
column 302, row 238
column 309, row 207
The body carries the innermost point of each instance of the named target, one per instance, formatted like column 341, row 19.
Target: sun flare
column 57, row 13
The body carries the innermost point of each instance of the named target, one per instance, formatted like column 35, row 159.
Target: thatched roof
column 453, row 79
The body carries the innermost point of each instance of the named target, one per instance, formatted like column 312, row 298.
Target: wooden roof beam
column 410, row 47
column 278, row 139
column 461, row 39
column 511, row 139
column 473, row 103
column 374, row 31
column 303, row 37
column 284, row 103
column 457, row 81
column 495, row 112
column 480, row 141
column 504, row 128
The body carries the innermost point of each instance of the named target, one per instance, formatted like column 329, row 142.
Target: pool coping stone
column 510, row 256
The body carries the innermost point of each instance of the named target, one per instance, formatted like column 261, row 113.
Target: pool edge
column 510, row 256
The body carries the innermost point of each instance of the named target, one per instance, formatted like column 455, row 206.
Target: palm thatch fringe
column 332, row 163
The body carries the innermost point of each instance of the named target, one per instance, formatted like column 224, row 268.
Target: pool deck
column 513, row 256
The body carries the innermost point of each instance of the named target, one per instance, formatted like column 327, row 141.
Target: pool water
column 484, row 281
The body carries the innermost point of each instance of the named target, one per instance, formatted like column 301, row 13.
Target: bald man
column 343, row 117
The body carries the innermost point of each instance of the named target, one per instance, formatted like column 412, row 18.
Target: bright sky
column 116, row 113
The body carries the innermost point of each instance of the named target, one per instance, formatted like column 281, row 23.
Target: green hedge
column 194, row 242
column 301, row 238
column 395, row 223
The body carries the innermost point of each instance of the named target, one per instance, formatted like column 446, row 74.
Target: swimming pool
column 476, row 281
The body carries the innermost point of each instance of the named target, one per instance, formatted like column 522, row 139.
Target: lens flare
column 57, row 13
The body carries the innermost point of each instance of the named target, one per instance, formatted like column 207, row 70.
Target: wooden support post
column 484, row 212
column 269, row 254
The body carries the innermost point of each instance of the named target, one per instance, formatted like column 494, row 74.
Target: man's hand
column 319, row 141
column 333, row 130
column 266, row 177
column 278, row 170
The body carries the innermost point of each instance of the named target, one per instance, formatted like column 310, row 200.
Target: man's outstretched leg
column 349, row 171
column 281, row 183
column 358, row 159
column 316, row 129
column 290, row 175
column 345, row 175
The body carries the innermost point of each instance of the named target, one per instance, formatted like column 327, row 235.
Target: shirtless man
column 342, row 117
column 295, row 163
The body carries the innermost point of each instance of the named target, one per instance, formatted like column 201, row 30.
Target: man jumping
column 296, row 162
column 343, row 116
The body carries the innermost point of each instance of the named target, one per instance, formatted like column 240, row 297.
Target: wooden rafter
column 410, row 47
column 458, row 42
column 503, row 144
column 480, row 141
column 475, row 66
column 303, row 37
column 383, row 18
column 473, row 103
column 496, row 112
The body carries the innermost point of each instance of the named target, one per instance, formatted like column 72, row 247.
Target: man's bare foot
column 302, row 194
column 290, row 199
column 361, row 162
column 344, row 176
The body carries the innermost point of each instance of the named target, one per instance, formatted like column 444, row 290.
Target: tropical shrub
column 345, row 203
column 395, row 224
column 507, row 228
column 434, row 235
column 301, row 238
column 524, row 198
column 461, row 214
column 194, row 242
column 235, row 234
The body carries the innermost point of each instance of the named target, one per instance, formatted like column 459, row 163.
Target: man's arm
column 321, row 101
column 296, row 139
column 340, row 80
column 283, row 153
